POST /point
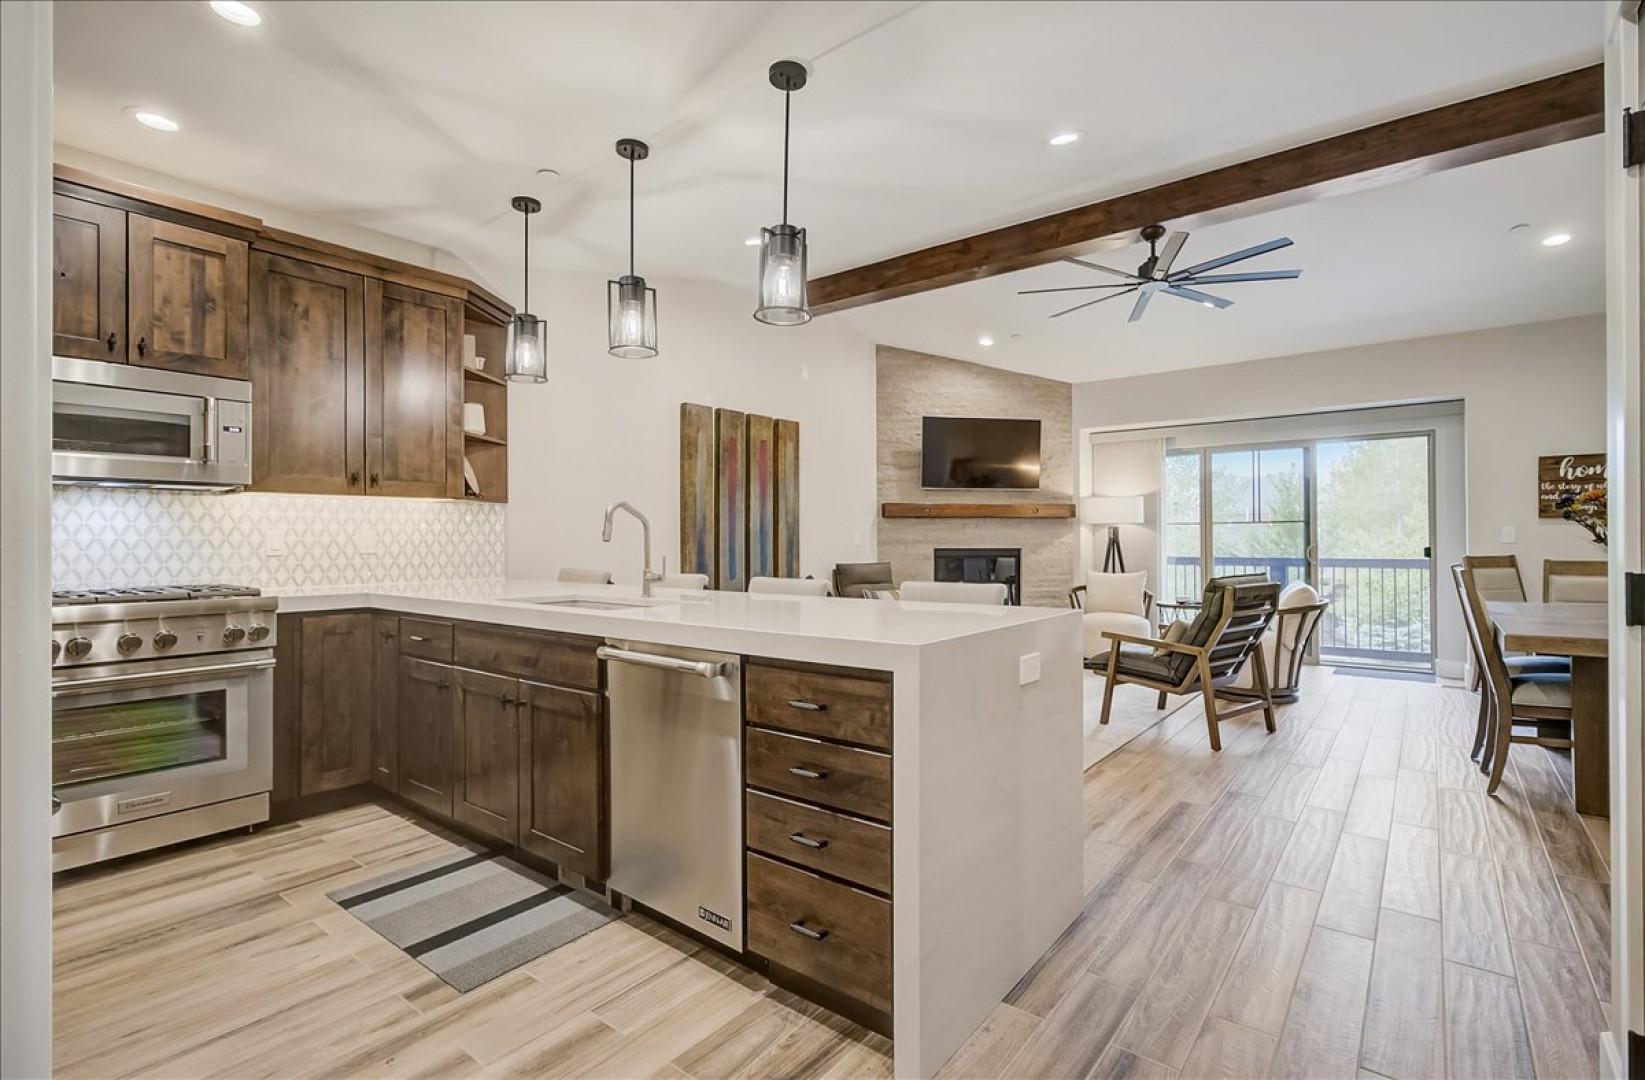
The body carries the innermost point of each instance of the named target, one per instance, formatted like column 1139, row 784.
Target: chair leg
column 1503, row 726
column 1161, row 703
column 1108, row 683
column 1479, row 680
column 1260, row 673
column 1481, row 725
column 1209, row 694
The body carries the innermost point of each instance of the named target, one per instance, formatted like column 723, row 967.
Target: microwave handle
column 208, row 451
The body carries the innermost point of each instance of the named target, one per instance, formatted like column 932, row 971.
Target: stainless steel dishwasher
column 677, row 783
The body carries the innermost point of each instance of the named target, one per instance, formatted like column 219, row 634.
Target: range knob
column 56, row 648
column 128, row 643
column 77, row 647
column 258, row 632
column 233, row 635
column 164, row 640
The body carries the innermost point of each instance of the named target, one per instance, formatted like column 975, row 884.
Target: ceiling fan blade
column 1198, row 297
column 1098, row 300
column 1128, row 276
column 1141, row 305
column 1075, row 288
column 1247, row 253
column 1168, row 254
column 1229, row 279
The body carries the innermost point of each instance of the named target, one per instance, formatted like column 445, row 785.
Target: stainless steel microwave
column 129, row 426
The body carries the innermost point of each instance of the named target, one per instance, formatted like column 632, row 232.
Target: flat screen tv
column 974, row 452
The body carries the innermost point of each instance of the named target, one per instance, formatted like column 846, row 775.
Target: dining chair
column 992, row 593
column 1205, row 657
column 788, row 586
column 1499, row 578
column 1540, row 700
column 1518, row 665
column 1580, row 581
column 862, row 579
column 585, row 577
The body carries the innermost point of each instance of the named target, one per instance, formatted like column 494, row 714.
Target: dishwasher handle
column 704, row 669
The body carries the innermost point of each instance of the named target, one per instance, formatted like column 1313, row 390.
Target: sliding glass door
column 1352, row 517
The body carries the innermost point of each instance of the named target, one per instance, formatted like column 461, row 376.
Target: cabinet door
column 563, row 778
column 427, row 702
column 335, row 728
column 187, row 300
column 486, row 794
column 308, row 377
column 385, row 729
column 414, row 392
column 88, row 287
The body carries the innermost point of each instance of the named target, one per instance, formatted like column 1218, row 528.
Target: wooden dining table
column 1581, row 632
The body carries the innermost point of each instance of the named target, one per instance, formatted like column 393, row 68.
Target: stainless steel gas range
column 162, row 710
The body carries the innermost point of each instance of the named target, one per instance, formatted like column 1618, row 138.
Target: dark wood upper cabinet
column 385, row 732
column 186, row 304
column 563, row 778
column 88, row 289
column 308, row 377
column 427, row 700
column 414, row 392
column 486, row 795
column 336, row 720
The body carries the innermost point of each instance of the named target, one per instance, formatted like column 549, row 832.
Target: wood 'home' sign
column 1563, row 477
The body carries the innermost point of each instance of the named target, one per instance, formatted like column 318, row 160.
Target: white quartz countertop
column 732, row 621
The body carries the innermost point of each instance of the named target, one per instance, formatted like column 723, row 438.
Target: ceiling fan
column 1156, row 276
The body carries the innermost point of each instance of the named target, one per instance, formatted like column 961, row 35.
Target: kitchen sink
column 584, row 603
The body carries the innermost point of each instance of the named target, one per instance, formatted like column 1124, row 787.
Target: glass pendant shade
column 782, row 276
column 631, row 308
column 527, row 358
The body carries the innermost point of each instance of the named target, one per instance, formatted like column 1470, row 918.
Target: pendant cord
column 787, row 96
column 525, row 233
column 630, row 217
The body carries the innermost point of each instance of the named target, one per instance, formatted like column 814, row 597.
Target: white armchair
column 1118, row 603
column 1285, row 643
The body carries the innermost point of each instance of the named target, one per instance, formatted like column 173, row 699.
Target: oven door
column 115, row 424
column 132, row 741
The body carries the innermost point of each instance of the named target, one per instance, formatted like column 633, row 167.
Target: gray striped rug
column 469, row 917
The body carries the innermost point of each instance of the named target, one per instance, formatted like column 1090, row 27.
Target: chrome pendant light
column 782, row 247
column 527, row 359
column 631, row 307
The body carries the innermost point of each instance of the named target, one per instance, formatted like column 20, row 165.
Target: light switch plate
column 1509, row 535
column 1028, row 669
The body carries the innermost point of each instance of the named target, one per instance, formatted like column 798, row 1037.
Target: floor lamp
column 1113, row 511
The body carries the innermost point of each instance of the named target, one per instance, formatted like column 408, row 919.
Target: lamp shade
column 1112, row 509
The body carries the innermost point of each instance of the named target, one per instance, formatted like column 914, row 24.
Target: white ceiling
column 923, row 121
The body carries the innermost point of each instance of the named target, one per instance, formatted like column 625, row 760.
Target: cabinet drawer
column 850, row 848
column 828, row 932
column 549, row 658
column 853, row 708
column 426, row 639
column 857, row 781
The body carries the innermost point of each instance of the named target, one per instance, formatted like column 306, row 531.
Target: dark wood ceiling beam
column 1553, row 110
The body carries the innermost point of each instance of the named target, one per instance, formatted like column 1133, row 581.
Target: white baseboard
column 1453, row 670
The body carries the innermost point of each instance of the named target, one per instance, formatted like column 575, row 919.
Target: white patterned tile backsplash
column 105, row 537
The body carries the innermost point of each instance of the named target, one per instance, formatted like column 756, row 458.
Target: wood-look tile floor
column 1338, row 899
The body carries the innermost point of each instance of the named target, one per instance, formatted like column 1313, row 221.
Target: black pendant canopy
column 782, row 247
column 527, row 357
column 631, row 307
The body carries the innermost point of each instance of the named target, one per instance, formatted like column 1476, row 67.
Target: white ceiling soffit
column 1428, row 256
column 922, row 122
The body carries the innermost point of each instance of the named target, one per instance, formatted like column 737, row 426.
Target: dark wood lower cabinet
column 562, row 755
column 486, row 792
column 334, row 731
column 385, row 728
column 427, row 698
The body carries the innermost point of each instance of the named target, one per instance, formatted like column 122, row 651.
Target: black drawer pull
column 805, row 931
column 808, row 773
column 807, row 841
column 808, row 706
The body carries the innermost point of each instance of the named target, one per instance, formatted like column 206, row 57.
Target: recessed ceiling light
column 1207, row 303
column 236, row 12
column 752, row 241
column 985, row 341
column 1065, row 138
column 1556, row 239
column 150, row 118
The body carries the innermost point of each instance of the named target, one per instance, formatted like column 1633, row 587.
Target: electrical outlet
column 1509, row 535
column 1028, row 669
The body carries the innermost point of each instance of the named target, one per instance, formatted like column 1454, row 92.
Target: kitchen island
column 982, row 746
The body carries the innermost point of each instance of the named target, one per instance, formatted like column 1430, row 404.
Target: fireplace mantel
column 1055, row 510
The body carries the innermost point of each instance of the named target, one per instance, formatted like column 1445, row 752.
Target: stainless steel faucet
column 647, row 575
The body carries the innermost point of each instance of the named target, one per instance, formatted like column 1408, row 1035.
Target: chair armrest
column 1147, row 604
column 1076, row 597
column 1153, row 643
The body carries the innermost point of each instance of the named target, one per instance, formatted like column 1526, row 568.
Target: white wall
column 603, row 429
column 25, row 702
column 1527, row 391
column 1120, row 465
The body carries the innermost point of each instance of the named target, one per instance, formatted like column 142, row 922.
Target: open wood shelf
column 488, row 454
column 482, row 376
column 977, row 510
column 471, row 436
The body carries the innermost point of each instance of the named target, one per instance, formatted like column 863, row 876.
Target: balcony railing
column 1380, row 608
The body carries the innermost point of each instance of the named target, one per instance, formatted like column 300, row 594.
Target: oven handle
column 65, row 689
